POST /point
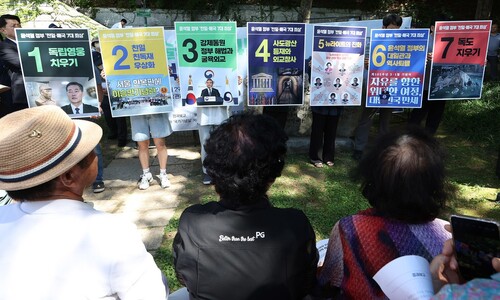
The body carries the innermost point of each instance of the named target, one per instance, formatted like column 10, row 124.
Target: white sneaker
column 144, row 181
column 164, row 181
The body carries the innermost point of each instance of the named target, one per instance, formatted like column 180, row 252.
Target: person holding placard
column 156, row 126
column 362, row 131
column 492, row 55
column 9, row 55
column 208, row 118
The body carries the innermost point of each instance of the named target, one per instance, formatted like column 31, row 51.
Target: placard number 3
column 191, row 49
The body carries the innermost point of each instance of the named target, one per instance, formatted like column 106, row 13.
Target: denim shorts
column 156, row 126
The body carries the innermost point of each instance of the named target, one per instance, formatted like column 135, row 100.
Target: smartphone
column 476, row 242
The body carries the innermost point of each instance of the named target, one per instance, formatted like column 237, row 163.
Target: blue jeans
column 100, row 167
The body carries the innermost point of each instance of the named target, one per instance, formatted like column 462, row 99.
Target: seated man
column 242, row 247
column 56, row 246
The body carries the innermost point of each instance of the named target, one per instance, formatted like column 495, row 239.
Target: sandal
column 317, row 163
column 330, row 163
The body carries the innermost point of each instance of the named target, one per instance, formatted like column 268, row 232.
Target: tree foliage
column 422, row 11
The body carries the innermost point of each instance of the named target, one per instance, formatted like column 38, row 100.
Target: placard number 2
column 124, row 54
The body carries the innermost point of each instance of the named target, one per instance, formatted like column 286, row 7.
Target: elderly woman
column 242, row 247
column 403, row 180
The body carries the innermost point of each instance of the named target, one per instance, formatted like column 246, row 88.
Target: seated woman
column 403, row 180
column 242, row 247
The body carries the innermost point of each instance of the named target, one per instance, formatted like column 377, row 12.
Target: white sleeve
column 135, row 274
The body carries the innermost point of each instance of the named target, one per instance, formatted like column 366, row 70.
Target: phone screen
column 476, row 242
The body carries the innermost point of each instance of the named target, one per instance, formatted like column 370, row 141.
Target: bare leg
column 143, row 147
column 162, row 152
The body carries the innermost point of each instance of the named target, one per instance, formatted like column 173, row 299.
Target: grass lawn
column 470, row 134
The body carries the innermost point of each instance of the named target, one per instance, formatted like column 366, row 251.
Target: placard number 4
column 263, row 51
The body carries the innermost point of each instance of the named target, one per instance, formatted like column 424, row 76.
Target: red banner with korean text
column 458, row 59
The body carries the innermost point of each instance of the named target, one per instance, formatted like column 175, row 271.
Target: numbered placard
column 55, row 62
column 337, row 65
column 458, row 61
column 275, row 64
column 396, row 68
column 137, row 74
column 207, row 56
column 182, row 117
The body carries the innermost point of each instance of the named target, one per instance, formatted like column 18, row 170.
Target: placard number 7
column 263, row 51
column 450, row 41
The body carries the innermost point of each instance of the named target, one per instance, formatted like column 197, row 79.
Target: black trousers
column 432, row 109
column 117, row 126
column 279, row 113
column 323, row 132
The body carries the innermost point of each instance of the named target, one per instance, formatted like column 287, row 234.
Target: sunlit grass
column 470, row 134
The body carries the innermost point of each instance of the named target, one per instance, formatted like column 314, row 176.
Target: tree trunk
column 483, row 9
column 305, row 11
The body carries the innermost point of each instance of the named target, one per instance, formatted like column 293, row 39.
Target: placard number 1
column 38, row 60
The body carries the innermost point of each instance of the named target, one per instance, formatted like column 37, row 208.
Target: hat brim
column 91, row 134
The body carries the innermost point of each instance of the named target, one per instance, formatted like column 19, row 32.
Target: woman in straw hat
column 54, row 245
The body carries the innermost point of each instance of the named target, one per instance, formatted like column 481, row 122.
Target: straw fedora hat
column 38, row 144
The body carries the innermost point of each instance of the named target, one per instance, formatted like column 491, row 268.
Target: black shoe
column 98, row 187
column 207, row 179
column 357, row 154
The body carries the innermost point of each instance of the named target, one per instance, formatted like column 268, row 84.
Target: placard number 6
column 378, row 56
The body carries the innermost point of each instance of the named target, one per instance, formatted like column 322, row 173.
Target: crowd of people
column 238, row 247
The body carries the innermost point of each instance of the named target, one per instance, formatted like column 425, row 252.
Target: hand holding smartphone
column 476, row 242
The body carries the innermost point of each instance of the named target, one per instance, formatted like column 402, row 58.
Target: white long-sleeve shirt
column 65, row 249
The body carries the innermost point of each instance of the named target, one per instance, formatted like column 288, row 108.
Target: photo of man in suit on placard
column 210, row 90
column 74, row 91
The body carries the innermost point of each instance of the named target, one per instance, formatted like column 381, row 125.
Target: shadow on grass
column 328, row 194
